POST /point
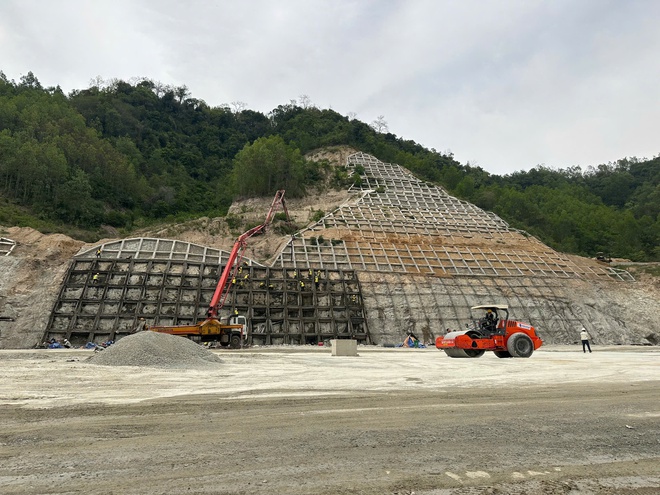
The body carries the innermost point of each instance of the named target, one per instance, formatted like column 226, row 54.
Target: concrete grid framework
column 409, row 257
column 6, row 246
column 402, row 224
column 103, row 298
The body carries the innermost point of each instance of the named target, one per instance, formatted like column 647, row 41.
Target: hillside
column 120, row 158
column 421, row 262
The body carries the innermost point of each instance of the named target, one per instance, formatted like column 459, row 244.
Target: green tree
column 267, row 165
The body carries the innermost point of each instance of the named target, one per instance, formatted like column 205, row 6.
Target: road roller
column 492, row 331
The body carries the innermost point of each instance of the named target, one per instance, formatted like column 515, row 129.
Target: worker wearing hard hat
column 490, row 321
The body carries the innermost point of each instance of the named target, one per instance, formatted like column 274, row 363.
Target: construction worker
column 142, row 325
column 490, row 322
column 302, row 285
column 584, row 337
column 98, row 252
column 95, row 279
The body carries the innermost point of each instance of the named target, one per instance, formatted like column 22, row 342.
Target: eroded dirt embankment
column 30, row 279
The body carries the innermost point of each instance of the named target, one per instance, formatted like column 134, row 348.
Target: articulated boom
column 235, row 332
column 236, row 255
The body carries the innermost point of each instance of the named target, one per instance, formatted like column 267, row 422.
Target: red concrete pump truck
column 233, row 331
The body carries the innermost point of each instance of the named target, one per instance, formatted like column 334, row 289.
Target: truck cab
column 243, row 333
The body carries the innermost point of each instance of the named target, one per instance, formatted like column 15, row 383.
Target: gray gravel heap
column 156, row 350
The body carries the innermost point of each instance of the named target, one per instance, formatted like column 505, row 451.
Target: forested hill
column 127, row 154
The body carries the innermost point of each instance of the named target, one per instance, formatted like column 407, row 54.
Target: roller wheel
column 520, row 345
column 474, row 353
column 464, row 353
column 502, row 354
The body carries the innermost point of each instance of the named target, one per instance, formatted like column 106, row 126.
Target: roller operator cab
column 493, row 331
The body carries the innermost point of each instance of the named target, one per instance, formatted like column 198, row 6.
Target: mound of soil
column 157, row 350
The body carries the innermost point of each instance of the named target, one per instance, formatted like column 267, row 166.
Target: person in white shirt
column 584, row 337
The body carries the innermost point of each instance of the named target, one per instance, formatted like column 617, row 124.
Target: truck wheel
column 502, row 354
column 235, row 342
column 520, row 345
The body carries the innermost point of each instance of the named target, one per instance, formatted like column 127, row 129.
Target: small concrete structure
column 344, row 347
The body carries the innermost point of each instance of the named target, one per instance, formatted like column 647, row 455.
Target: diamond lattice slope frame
column 6, row 246
column 148, row 248
column 399, row 223
column 395, row 224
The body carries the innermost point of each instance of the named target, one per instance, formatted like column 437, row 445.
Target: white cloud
column 507, row 84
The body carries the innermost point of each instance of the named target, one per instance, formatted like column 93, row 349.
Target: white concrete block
column 344, row 347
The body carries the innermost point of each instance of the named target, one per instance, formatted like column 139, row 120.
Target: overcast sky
column 503, row 84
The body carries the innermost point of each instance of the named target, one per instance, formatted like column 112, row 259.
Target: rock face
column 30, row 279
column 422, row 259
column 613, row 312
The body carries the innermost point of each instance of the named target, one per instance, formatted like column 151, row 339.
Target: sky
column 505, row 85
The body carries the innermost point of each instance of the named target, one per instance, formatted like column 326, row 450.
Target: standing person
column 585, row 337
column 142, row 326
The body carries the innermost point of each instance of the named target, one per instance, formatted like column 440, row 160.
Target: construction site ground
column 300, row 421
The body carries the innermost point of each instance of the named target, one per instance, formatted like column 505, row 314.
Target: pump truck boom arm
column 222, row 289
column 234, row 332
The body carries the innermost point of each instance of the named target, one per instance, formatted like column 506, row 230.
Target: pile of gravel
column 158, row 350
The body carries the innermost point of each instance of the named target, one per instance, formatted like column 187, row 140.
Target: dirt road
column 300, row 421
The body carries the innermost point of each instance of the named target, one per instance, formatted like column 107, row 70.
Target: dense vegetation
column 126, row 154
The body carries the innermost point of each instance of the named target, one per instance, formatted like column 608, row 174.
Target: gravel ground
column 300, row 421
